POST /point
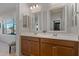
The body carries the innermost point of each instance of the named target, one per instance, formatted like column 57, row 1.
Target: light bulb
column 36, row 5
column 33, row 6
column 30, row 7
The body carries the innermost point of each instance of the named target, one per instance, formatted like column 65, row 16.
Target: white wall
column 24, row 10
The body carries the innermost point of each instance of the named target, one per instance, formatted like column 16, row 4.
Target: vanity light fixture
column 34, row 6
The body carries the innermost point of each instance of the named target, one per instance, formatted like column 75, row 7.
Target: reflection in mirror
column 36, row 18
column 57, row 19
column 9, row 26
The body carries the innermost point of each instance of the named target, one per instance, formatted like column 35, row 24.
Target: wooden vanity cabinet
column 65, row 51
column 78, row 48
column 49, row 50
column 56, row 51
column 58, row 48
column 25, row 46
column 35, row 46
column 45, row 49
column 29, row 46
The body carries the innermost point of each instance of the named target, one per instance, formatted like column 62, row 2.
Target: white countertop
column 58, row 36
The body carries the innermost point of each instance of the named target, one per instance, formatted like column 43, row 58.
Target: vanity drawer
column 59, row 42
column 30, row 38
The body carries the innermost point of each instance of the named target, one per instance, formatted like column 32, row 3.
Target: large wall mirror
column 53, row 18
column 36, row 18
column 57, row 19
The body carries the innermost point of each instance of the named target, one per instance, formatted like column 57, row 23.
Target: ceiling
column 7, row 7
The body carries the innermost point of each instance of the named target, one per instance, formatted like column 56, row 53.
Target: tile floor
column 7, row 54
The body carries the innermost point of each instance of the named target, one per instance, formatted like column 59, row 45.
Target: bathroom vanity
column 52, row 19
column 41, row 46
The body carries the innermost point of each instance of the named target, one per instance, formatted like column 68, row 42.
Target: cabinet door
column 64, row 51
column 78, row 48
column 50, row 50
column 45, row 49
column 26, row 47
column 35, row 48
